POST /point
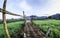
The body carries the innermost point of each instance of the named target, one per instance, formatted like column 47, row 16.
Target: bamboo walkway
column 30, row 31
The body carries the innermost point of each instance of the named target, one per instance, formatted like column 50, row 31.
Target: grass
column 12, row 27
column 53, row 24
column 42, row 24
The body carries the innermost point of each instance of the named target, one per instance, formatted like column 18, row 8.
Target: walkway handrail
column 7, row 12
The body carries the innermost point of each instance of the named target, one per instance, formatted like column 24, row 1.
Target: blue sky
column 31, row 7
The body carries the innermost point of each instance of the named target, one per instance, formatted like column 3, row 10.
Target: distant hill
column 55, row 16
column 36, row 17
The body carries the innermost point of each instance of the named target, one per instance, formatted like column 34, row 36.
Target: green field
column 13, row 26
column 42, row 24
column 53, row 24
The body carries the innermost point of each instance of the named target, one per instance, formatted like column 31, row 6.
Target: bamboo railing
column 7, row 12
column 4, row 12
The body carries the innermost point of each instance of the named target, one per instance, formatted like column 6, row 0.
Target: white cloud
column 24, row 6
column 53, row 8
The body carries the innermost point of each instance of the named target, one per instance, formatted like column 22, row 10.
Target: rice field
column 42, row 24
column 53, row 24
column 12, row 27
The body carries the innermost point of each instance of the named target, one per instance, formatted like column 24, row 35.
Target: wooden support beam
column 4, row 20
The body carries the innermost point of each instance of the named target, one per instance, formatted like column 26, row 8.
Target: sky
column 31, row 7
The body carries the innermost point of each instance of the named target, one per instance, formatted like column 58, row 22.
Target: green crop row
column 12, row 27
column 53, row 24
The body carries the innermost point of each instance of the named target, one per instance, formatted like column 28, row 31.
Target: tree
column 49, row 17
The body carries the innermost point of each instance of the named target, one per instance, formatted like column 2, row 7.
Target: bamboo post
column 24, row 23
column 48, row 31
column 4, row 20
column 24, row 16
